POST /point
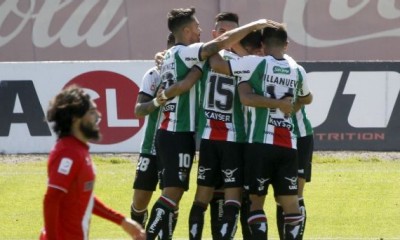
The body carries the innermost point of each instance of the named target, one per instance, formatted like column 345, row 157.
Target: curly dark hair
column 179, row 17
column 69, row 103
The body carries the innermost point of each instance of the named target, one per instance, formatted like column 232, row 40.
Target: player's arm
column 305, row 96
column 301, row 101
column 133, row 228
column 182, row 86
column 51, row 209
column 233, row 36
column 145, row 104
column 219, row 65
column 62, row 172
column 305, row 100
column 249, row 98
column 239, row 49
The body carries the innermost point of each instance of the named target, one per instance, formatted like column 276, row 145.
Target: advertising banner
column 27, row 88
column 355, row 107
column 66, row 30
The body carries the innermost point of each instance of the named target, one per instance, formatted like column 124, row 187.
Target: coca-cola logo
column 95, row 30
column 32, row 30
column 345, row 22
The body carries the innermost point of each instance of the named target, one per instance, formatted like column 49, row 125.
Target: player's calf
column 258, row 225
column 196, row 220
column 161, row 216
column 139, row 216
column 292, row 226
column 229, row 219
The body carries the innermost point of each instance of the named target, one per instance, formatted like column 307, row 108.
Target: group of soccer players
column 244, row 97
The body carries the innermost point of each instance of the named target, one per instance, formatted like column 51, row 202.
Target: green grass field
column 350, row 198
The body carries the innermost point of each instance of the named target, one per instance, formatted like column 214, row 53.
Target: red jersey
column 69, row 201
column 70, row 169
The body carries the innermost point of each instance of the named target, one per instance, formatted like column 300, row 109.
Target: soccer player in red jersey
column 69, row 200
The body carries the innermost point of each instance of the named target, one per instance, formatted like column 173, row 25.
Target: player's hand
column 273, row 24
column 263, row 23
column 134, row 229
column 286, row 105
column 161, row 97
column 159, row 58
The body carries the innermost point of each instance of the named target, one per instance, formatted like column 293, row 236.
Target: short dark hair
column 252, row 39
column 227, row 16
column 170, row 40
column 275, row 37
column 69, row 103
column 179, row 17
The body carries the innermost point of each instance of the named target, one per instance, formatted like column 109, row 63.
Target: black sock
column 292, row 226
column 280, row 220
column 216, row 213
column 139, row 216
column 258, row 225
column 161, row 217
column 175, row 219
column 167, row 231
column 229, row 219
column 244, row 215
column 196, row 220
column 304, row 213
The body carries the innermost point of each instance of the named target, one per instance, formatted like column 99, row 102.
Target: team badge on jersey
column 183, row 174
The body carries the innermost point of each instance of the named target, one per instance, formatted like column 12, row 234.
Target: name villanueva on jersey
column 287, row 82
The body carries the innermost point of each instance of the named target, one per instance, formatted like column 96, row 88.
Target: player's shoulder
column 70, row 147
column 289, row 58
column 153, row 72
column 180, row 47
column 251, row 58
column 227, row 55
column 293, row 62
column 255, row 60
column 249, row 62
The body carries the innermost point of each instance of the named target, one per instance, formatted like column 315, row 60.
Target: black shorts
column 305, row 148
column 175, row 151
column 267, row 164
column 220, row 164
column 148, row 172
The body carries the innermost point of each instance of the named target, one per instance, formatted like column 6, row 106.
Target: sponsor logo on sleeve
column 65, row 166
